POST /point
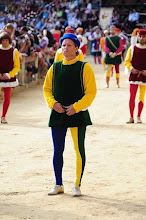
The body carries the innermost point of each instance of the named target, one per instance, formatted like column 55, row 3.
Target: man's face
column 69, row 49
column 5, row 43
column 142, row 39
column 113, row 31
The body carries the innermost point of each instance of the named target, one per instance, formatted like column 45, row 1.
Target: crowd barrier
column 22, row 76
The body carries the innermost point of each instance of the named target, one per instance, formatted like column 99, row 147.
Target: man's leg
column 78, row 135
column 58, row 136
column 133, row 91
column 109, row 67
column 117, row 74
column 142, row 90
column 6, row 100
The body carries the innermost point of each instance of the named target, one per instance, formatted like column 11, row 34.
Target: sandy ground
column 113, row 185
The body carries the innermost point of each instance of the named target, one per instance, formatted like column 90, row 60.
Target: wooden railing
column 22, row 77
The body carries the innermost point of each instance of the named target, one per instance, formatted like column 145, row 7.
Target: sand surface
column 113, row 184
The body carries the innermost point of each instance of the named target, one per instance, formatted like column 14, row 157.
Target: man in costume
column 113, row 49
column 9, row 67
column 69, row 89
column 135, row 62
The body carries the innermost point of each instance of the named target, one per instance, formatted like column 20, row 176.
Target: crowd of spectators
column 127, row 18
column 39, row 26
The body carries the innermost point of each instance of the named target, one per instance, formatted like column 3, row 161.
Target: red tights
column 6, row 100
column 133, row 91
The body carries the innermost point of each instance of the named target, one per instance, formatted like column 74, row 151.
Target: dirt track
column 113, row 185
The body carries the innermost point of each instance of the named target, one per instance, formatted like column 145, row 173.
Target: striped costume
column 135, row 58
column 69, row 82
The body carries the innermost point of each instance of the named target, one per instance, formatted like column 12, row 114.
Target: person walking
column 9, row 67
column 113, row 49
column 69, row 88
column 136, row 65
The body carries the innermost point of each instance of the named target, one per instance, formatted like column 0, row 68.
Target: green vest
column 67, row 89
column 116, row 42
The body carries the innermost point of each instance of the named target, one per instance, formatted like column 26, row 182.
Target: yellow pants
column 109, row 68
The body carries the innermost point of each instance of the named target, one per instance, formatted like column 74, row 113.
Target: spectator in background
column 2, row 24
column 56, row 33
column 24, row 42
column 114, row 18
column 9, row 28
column 42, row 59
column 48, row 34
column 133, row 18
column 131, row 21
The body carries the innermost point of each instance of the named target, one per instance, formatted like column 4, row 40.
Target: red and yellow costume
column 135, row 58
column 9, row 65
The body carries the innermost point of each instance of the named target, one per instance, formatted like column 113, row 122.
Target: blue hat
column 72, row 37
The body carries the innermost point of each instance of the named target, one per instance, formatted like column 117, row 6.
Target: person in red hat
column 136, row 65
column 113, row 49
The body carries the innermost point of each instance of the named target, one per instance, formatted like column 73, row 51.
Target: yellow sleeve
column 128, row 60
column 58, row 56
column 80, row 57
column 47, row 88
column 89, row 88
column 102, row 43
column 16, row 68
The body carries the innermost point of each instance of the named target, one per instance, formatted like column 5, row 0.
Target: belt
column 65, row 107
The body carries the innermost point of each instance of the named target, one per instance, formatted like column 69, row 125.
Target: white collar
column 3, row 48
column 141, row 46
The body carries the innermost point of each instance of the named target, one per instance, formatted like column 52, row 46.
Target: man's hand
column 1, row 77
column 5, row 76
column 70, row 111
column 143, row 72
column 134, row 71
column 112, row 55
column 58, row 108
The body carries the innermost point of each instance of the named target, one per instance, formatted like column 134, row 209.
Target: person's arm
column 120, row 48
column 16, row 68
column 107, row 50
column 128, row 60
column 47, row 88
column 89, row 89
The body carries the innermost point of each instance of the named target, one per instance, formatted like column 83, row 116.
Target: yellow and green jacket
column 64, row 85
